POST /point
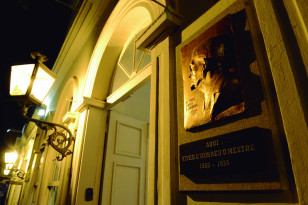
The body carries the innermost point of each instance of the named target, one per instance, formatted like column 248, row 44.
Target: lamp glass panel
column 41, row 112
column 6, row 172
column 10, row 158
column 20, row 79
column 42, row 84
column 9, row 166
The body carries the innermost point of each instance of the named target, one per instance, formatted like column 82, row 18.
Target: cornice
column 86, row 102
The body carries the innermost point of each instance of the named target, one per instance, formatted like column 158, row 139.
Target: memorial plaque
column 240, row 156
column 220, row 89
column 212, row 86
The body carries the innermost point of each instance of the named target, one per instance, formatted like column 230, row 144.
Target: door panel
column 126, row 184
column 124, row 172
column 129, row 140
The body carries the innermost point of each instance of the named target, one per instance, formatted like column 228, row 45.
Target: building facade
column 120, row 90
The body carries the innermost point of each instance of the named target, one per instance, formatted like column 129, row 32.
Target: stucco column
column 89, row 151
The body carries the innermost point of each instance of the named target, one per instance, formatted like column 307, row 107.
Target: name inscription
column 244, row 151
column 191, row 106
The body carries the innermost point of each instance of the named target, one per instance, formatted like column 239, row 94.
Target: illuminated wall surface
column 216, row 89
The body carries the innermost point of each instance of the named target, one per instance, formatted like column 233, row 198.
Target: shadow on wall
column 191, row 10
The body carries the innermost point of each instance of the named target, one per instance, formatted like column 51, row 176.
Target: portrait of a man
column 212, row 87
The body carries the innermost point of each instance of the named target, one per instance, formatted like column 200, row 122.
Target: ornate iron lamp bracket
column 19, row 173
column 58, row 139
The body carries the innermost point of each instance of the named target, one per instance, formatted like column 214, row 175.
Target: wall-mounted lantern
column 30, row 84
column 32, row 81
column 10, row 159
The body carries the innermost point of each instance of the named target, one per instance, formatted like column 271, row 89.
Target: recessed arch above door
column 65, row 102
column 127, row 19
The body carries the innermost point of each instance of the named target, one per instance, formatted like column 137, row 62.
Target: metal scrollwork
column 20, row 174
column 60, row 140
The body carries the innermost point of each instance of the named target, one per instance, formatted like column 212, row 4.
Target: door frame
column 146, row 138
column 129, row 87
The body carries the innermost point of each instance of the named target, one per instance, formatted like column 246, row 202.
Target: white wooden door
column 125, row 161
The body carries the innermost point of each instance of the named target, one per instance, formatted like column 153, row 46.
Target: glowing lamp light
column 6, row 172
column 41, row 112
column 29, row 86
column 9, row 166
column 33, row 80
column 10, row 158
column 20, row 79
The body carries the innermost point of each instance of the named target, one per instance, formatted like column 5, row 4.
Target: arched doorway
column 125, row 160
column 122, row 28
column 126, row 157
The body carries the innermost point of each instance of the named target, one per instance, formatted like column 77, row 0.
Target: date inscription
column 237, row 152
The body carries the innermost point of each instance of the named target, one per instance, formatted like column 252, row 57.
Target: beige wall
column 84, row 57
column 276, row 52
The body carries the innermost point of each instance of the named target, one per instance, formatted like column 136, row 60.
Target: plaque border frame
column 274, row 122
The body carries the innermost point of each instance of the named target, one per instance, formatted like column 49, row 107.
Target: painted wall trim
column 86, row 20
column 70, row 117
column 298, row 24
column 86, row 102
column 293, row 115
column 219, row 10
column 161, row 27
column 130, row 86
column 117, row 14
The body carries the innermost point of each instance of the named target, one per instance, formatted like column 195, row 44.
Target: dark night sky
column 27, row 26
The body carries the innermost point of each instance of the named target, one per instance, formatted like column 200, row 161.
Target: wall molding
column 87, row 102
